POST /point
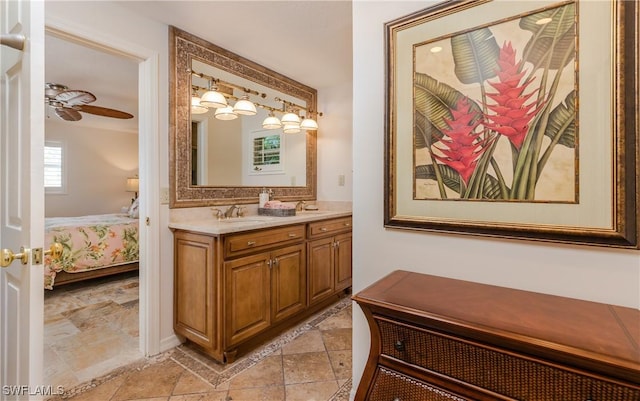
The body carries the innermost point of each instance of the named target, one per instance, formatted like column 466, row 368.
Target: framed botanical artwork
column 515, row 119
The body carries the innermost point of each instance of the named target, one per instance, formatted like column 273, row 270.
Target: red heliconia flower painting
column 495, row 113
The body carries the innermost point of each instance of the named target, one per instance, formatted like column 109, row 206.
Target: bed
column 93, row 246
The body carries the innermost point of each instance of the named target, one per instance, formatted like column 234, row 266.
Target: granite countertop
column 252, row 222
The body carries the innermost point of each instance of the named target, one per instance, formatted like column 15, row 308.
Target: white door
column 21, row 200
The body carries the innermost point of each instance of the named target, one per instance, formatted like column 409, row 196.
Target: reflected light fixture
column 271, row 122
column 291, row 129
column 196, row 107
column 225, row 113
column 245, row 107
column 213, row 98
column 290, row 119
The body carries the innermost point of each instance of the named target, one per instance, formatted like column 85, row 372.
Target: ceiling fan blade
column 68, row 114
column 105, row 112
column 75, row 97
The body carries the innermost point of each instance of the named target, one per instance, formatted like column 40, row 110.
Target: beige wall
column 591, row 273
column 98, row 163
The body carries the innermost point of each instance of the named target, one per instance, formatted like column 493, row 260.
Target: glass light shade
column 271, row 122
column 225, row 113
column 309, row 124
column 291, row 129
column 245, row 107
column 290, row 118
column 213, row 99
column 196, row 107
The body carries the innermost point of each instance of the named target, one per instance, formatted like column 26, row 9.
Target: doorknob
column 13, row 40
column 8, row 256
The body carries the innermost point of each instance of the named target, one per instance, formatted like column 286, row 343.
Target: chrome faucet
column 230, row 210
column 217, row 213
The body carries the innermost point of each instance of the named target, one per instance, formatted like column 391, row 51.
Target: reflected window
column 267, row 155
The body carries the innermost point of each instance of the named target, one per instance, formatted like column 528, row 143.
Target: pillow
column 134, row 209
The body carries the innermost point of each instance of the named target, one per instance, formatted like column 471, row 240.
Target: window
column 267, row 154
column 54, row 172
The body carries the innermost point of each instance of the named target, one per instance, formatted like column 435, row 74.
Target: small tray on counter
column 276, row 212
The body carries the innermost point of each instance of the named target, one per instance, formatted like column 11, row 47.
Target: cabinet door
column 194, row 303
column 288, row 281
column 343, row 261
column 320, row 269
column 247, row 289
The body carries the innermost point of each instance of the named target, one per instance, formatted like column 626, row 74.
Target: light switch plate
column 164, row 196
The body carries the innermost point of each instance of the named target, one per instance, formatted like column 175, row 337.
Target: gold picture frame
column 515, row 120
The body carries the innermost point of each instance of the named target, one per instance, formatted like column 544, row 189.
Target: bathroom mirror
column 212, row 161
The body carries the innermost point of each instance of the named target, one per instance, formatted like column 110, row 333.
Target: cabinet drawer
column 501, row 372
column 241, row 244
column 391, row 385
column 327, row 227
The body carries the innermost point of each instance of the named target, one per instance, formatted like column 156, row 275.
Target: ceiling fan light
column 309, row 124
column 271, row 122
column 245, row 107
column 213, row 99
column 225, row 113
column 290, row 118
column 291, row 129
column 196, row 107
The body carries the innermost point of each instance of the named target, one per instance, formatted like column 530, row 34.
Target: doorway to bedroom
column 91, row 302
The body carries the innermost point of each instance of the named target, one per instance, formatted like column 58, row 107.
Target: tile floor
column 310, row 362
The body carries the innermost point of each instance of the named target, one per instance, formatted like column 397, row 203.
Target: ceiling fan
column 68, row 103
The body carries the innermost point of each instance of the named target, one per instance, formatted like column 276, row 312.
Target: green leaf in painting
column 451, row 178
column 560, row 30
column 475, row 55
column 562, row 122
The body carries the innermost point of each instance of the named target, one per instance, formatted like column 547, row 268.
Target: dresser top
column 598, row 336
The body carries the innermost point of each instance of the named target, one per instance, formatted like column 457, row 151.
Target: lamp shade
column 196, row 107
column 309, row 124
column 225, row 113
column 291, row 129
column 213, row 99
column 290, row 118
column 271, row 122
column 133, row 184
column 245, row 107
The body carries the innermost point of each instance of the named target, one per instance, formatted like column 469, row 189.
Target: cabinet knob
column 251, row 243
column 347, row 224
column 399, row 345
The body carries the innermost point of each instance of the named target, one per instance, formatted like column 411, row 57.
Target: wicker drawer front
column 505, row 374
column 327, row 227
column 241, row 244
column 390, row 385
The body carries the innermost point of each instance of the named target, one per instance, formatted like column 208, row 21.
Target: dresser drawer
column 390, row 385
column 328, row 227
column 241, row 244
column 500, row 372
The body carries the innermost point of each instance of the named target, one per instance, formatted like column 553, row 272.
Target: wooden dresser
column 434, row 338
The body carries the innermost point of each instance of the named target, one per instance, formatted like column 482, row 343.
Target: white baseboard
column 169, row 342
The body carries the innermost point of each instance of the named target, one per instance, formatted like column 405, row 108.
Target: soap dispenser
column 263, row 198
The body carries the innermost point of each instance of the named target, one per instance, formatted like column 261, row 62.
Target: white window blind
column 53, row 167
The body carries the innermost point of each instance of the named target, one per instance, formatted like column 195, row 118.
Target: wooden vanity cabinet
column 329, row 261
column 233, row 291
column 434, row 338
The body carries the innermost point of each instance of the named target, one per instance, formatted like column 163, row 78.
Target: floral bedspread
column 90, row 242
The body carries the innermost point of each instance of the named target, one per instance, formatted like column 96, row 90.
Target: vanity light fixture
column 213, row 98
column 245, row 107
column 291, row 129
column 290, row 119
column 225, row 113
column 309, row 124
column 196, row 107
column 271, row 122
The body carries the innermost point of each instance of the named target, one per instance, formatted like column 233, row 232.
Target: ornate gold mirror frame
column 184, row 48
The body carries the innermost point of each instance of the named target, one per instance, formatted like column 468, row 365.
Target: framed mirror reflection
column 225, row 153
